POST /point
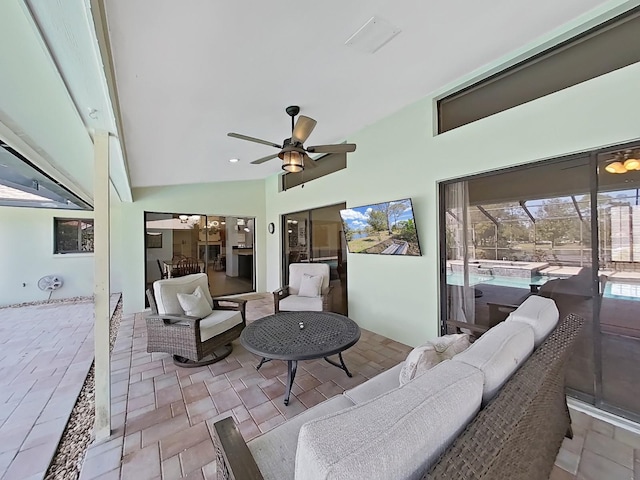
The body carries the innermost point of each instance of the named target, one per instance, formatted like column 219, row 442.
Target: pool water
column 621, row 291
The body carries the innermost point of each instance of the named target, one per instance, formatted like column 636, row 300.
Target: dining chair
column 187, row 266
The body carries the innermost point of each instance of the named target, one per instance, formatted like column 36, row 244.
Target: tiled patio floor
column 46, row 351
column 162, row 415
column 165, row 413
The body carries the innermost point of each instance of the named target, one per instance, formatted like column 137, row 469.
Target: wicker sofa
column 512, row 430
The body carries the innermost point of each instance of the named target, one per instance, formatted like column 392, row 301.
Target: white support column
column 102, row 424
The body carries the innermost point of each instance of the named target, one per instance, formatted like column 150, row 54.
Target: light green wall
column 399, row 157
column 26, row 243
column 225, row 198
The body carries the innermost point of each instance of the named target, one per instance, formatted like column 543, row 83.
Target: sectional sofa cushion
column 426, row 356
column 381, row 383
column 275, row 451
column 397, row 435
column 540, row 313
column 498, row 353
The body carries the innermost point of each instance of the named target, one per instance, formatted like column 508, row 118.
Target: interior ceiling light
column 624, row 162
column 234, row 160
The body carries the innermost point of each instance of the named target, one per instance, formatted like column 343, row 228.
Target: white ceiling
column 189, row 72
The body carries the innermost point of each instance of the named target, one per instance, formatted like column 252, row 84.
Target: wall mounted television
column 387, row 228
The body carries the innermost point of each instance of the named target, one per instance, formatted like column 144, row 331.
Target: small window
column 73, row 235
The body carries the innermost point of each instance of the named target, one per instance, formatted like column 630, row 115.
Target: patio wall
column 26, row 255
column 399, row 157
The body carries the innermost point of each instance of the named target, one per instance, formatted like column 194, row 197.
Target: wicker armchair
column 288, row 299
column 192, row 341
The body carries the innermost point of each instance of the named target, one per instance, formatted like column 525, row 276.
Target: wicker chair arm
column 279, row 295
column 238, row 301
column 240, row 305
column 172, row 318
column 327, row 291
column 232, row 452
column 282, row 292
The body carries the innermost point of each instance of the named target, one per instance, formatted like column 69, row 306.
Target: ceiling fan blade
column 302, row 130
column 253, row 139
column 339, row 148
column 309, row 162
column 264, row 159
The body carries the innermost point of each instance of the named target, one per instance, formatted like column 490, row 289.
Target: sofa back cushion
column 540, row 313
column 498, row 353
column 397, row 435
column 166, row 292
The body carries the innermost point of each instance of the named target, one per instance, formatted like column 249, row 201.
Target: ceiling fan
column 293, row 154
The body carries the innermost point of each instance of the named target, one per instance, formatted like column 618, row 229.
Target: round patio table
column 294, row 336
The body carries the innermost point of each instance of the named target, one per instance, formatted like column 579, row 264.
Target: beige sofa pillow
column 195, row 304
column 426, row 356
column 310, row 286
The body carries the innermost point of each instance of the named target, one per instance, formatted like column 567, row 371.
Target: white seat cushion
column 275, row 451
column 397, row 435
column 294, row 303
column 539, row 313
column 217, row 322
column 498, row 353
column 381, row 383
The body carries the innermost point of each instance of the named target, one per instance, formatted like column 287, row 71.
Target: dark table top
column 280, row 337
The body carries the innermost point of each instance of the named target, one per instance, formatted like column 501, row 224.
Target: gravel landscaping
column 67, row 461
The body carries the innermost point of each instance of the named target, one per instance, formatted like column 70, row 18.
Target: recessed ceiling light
column 234, row 160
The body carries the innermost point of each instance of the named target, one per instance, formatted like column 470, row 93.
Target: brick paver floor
column 46, row 351
column 163, row 414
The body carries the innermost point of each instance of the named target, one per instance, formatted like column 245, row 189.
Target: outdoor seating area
column 308, row 289
column 188, row 323
column 163, row 415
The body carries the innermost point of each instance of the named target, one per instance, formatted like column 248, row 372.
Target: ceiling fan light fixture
column 292, row 161
column 631, row 164
column 615, row 167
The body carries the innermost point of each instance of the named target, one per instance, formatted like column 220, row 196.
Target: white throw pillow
column 195, row 304
column 310, row 285
column 426, row 356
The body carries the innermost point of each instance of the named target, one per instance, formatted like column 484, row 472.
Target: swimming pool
column 620, row 291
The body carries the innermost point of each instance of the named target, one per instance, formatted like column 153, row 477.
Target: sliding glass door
column 316, row 236
column 619, row 259
column 220, row 246
column 569, row 230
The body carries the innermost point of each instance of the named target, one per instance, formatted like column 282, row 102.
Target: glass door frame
column 341, row 251
column 597, row 399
